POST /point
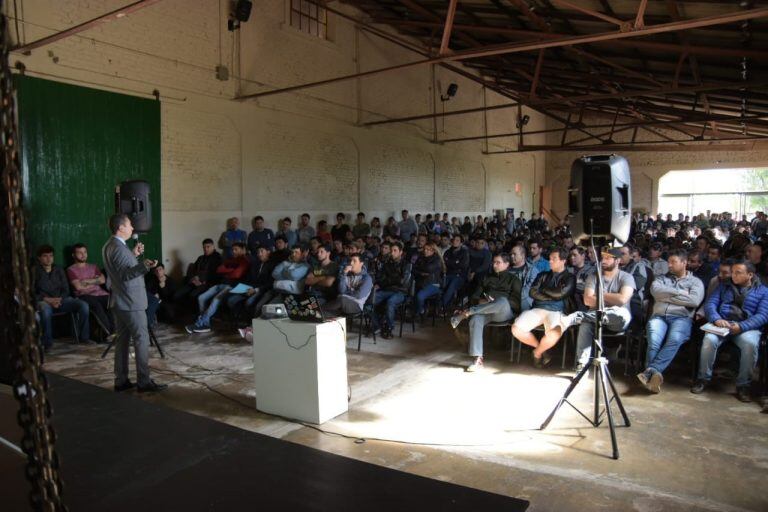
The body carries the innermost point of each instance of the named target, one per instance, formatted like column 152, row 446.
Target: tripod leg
column 106, row 350
column 571, row 387
column 153, row 341
column 596, row 395
column 603, row 377
column 618, row 399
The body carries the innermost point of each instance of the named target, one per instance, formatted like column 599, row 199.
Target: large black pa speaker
column 600, row 197
column 132, row 199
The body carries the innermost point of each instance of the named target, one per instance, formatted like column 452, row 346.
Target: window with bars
column 309, row 18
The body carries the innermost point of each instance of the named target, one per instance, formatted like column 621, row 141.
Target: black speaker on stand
column 600, row 196
column 132, row 199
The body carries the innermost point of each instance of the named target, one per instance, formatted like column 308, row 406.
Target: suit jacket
column 125, row 277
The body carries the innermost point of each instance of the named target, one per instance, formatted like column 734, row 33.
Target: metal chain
column 30, row 384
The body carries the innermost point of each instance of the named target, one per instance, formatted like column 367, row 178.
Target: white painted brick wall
column 282, row 155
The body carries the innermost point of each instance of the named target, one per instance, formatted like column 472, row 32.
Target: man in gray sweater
column 677, row 294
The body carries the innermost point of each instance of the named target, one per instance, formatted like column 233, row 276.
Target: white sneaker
column 476, row 366
column 456, row 320
column 573, row 319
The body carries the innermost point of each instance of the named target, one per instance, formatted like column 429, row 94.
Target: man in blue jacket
column 741, row 306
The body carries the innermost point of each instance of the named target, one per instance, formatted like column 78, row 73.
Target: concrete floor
column 419, row 412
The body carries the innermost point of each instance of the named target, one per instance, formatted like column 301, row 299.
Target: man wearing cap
column 618, row 287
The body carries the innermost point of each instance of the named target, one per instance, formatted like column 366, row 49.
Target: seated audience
column 427, row 271
column 281, row 253
column 162, row 287
column 259, row 281
column 305, row 231
column 231, row 271
column 618, row 288
column 676, row 296
column 232, row 235
column 407, row 227
column 289, row 275
column 321, row 280
column 456, row 259
column 479, row 261
column 355, row 285
column 361, row 228
column 340, row 230
column 581, row 269
column 260, row 236
column 51, row 291
column 495, row 299
column 322, row 232
column 201, row 275
column 87, row 281
column 658, row 265
column 550, row 292
column 525, row 273
column 392, row 230
column 700, row 268
column 535, row 257
column 287, row 232
column 376, row 228
column 393, row 283
column 741, row 306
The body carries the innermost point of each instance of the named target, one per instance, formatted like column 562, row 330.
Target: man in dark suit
column 128, row 302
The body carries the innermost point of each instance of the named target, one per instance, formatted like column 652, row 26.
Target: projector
column 269, row 311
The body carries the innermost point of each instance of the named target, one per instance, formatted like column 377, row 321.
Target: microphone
column 135, row 238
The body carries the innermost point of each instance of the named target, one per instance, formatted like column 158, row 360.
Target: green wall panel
column 77, row 144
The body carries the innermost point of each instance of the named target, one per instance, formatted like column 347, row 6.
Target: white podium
column 300, row 368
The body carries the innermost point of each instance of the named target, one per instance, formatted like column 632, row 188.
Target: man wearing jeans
column 232, row 271
column 456, row 259
column 496, row 299
column 52, row 296
column 741, row 306
column 618, row 287
column 677, row 295
column 393, row 283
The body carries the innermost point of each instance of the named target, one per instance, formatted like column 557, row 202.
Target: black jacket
column 394, row 275
column 551, row 290
column 260, row 274
column 427, row 270
column 503, row 284
column 205, row 268
column 456, row 261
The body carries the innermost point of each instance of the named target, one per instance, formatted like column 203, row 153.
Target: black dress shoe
column 151, row 387
column 742, row 393
column 125, row 386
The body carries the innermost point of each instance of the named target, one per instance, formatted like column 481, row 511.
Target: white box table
column 300, row 368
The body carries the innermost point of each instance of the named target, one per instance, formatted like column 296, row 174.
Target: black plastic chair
column 73, row 317
column 365, row 316
column 403, row 309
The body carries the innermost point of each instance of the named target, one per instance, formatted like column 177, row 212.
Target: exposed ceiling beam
column 104, row 18
column 712, row 51
column 582, row 99
column 655, row 146
column 445, row 42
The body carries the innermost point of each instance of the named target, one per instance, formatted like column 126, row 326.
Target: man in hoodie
column 496, row 299
column 676, row 296
column 549, row 291
column 393, row 283
column 741, row 306
column 355, row 285
column 231, row 271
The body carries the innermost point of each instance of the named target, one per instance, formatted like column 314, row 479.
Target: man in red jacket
column 231, row 272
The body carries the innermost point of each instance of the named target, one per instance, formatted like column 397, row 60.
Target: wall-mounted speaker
column 132, row 199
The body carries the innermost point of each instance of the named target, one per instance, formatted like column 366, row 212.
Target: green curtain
column 76, row 145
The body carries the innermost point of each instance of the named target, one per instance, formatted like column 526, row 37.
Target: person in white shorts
column 550, row 292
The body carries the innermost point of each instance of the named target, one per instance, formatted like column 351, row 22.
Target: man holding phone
column 128, row 302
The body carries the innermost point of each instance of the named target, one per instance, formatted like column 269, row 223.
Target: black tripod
column 602, row 374
column 152, row 342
